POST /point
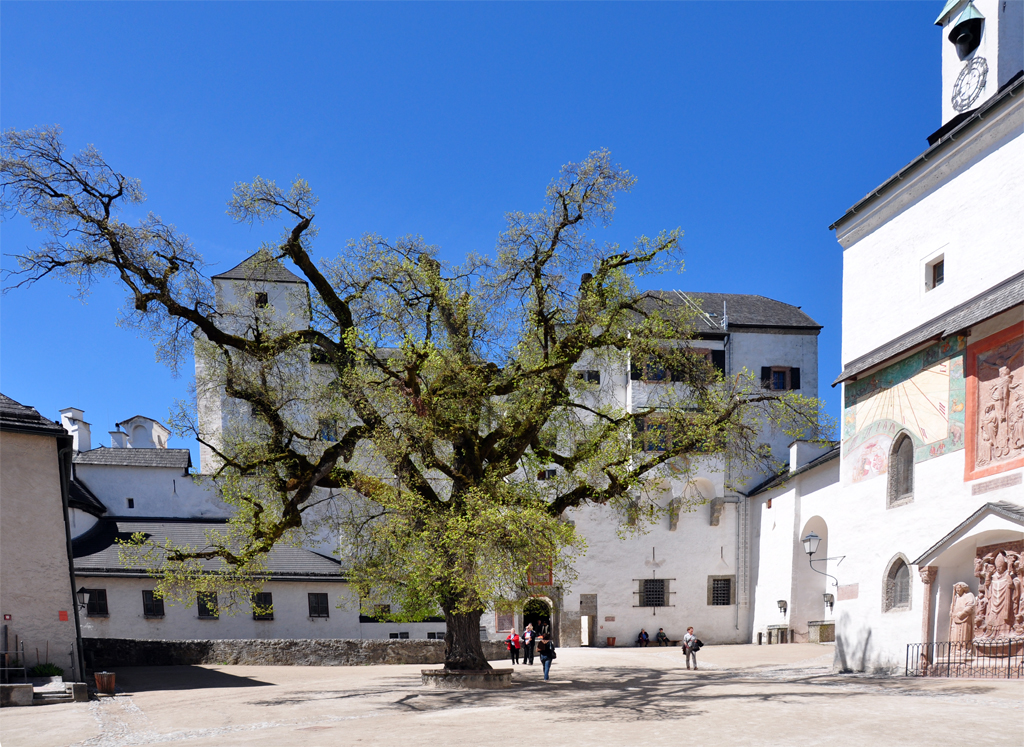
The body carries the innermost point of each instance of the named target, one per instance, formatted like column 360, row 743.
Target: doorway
column 537, row 612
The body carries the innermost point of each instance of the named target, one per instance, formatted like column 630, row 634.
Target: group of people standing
column 529, row 643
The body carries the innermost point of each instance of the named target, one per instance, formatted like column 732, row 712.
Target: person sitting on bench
column 661, row 639
column 643, row 639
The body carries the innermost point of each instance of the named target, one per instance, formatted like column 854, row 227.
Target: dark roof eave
column 130, row 573
column 1012, row 88
column 773, row 482
column 973, row 311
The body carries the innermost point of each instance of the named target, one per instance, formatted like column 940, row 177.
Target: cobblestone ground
column 742, row 695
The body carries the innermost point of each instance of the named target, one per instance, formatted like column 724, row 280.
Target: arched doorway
column 537, row 612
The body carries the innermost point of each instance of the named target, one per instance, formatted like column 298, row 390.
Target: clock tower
column 982, row 48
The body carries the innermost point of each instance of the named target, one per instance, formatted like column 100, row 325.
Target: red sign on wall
column 63, row 615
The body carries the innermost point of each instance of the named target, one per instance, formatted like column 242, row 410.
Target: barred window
column 652, row 592
column 97, row 606
column 721, row 591
column 318, row 605
column 504, row 621
column 206, row 602
column 263, row 606
column 152, row 605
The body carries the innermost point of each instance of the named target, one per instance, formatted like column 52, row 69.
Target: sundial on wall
column 920, row 404
column 969, row 84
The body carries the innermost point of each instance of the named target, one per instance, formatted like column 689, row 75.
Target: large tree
column 417, row 402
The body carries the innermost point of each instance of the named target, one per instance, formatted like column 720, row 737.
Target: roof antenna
column 725, row 314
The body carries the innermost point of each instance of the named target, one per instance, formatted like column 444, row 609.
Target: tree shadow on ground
column 154, row 679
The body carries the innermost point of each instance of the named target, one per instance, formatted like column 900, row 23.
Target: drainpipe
column 63, row 462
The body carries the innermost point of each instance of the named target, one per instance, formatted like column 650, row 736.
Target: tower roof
column 261, row 266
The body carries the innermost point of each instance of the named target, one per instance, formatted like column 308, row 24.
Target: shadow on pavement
column 154, row 679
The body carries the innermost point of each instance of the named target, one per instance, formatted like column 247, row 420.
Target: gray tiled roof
column 1007, row 510
column 778, row 480
column 180, row 458
column 96, row 551
column 79, row 496
column 19, row 417
column 260, row 266
column 744, row 311
column 995, row 300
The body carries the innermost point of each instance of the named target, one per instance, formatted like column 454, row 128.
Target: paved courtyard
column 742, row 695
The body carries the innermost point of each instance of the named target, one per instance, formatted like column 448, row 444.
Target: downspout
column 63, row 462
column 728, row 469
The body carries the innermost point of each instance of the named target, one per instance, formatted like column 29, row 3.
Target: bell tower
column 982, row 49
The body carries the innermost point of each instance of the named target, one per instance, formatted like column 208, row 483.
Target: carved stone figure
column 1000, row 404
column 1003, row 594
column 987, row 449
column 961, row 615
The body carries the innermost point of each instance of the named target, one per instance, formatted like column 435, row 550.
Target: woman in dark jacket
column 546, row 649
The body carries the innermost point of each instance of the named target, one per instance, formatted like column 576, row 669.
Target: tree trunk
column 462, row 649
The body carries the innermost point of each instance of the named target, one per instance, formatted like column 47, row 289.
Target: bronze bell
column 966, row 31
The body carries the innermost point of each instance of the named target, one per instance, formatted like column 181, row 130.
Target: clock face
column 969, row 84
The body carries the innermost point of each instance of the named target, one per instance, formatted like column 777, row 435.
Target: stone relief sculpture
column 998, row 611
column 1000, row 404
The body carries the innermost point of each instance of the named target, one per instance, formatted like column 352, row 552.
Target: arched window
column 901, row 471
column 897, row 586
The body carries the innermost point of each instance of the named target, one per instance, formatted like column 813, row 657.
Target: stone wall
column 110, row 653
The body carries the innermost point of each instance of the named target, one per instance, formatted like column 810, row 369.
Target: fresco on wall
column 922, row 394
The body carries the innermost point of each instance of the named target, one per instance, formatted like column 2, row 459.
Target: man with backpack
column 546, row 649
column 691, row 645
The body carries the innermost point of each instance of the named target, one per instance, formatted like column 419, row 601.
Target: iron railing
column 989, row 658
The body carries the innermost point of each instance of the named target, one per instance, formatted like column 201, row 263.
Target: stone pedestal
column 467, row 679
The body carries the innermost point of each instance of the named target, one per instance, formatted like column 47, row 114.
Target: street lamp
column 811, row 542
column 83, row 597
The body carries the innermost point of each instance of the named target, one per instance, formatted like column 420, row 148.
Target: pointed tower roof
column 261, row 266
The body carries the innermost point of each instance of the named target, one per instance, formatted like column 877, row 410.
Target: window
column 721, row 591
column 97, row 606
column 539, row 573
column 934, row 273
column 263, row 606
column 652, row 592
column 547, row 474
column 504, row 621
column 901, row 471
column 318, row 605
column 439, row 636
column 654, row 433
column 398, row 636
column 131, row 503
column 592, row 377
column 780, row 378
column 897, row 586
column 152, row 605
column 718, row 360
column 206, row 602
column 262, row 300
column 328, row 430
column 650, row 371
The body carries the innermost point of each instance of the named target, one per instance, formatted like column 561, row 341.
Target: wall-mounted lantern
column 83, row 597
column 783, row 606
column 829, row 601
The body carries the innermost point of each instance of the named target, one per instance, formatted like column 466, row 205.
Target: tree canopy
column 438, row 414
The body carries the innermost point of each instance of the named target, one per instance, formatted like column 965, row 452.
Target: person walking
column 513, row 646
column 546, row 649
column 690, row 647
column 529, row 644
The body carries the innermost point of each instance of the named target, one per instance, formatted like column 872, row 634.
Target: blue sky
column 750, row 125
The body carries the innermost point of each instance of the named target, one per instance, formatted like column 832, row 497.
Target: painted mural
column 922, row 394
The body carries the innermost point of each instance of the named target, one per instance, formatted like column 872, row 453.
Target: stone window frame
column 642, row 596
column 732, row 590
column 889, row 590
column 897, row 469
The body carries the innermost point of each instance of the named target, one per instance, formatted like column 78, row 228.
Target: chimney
column 118, row 440
column 72, row 420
